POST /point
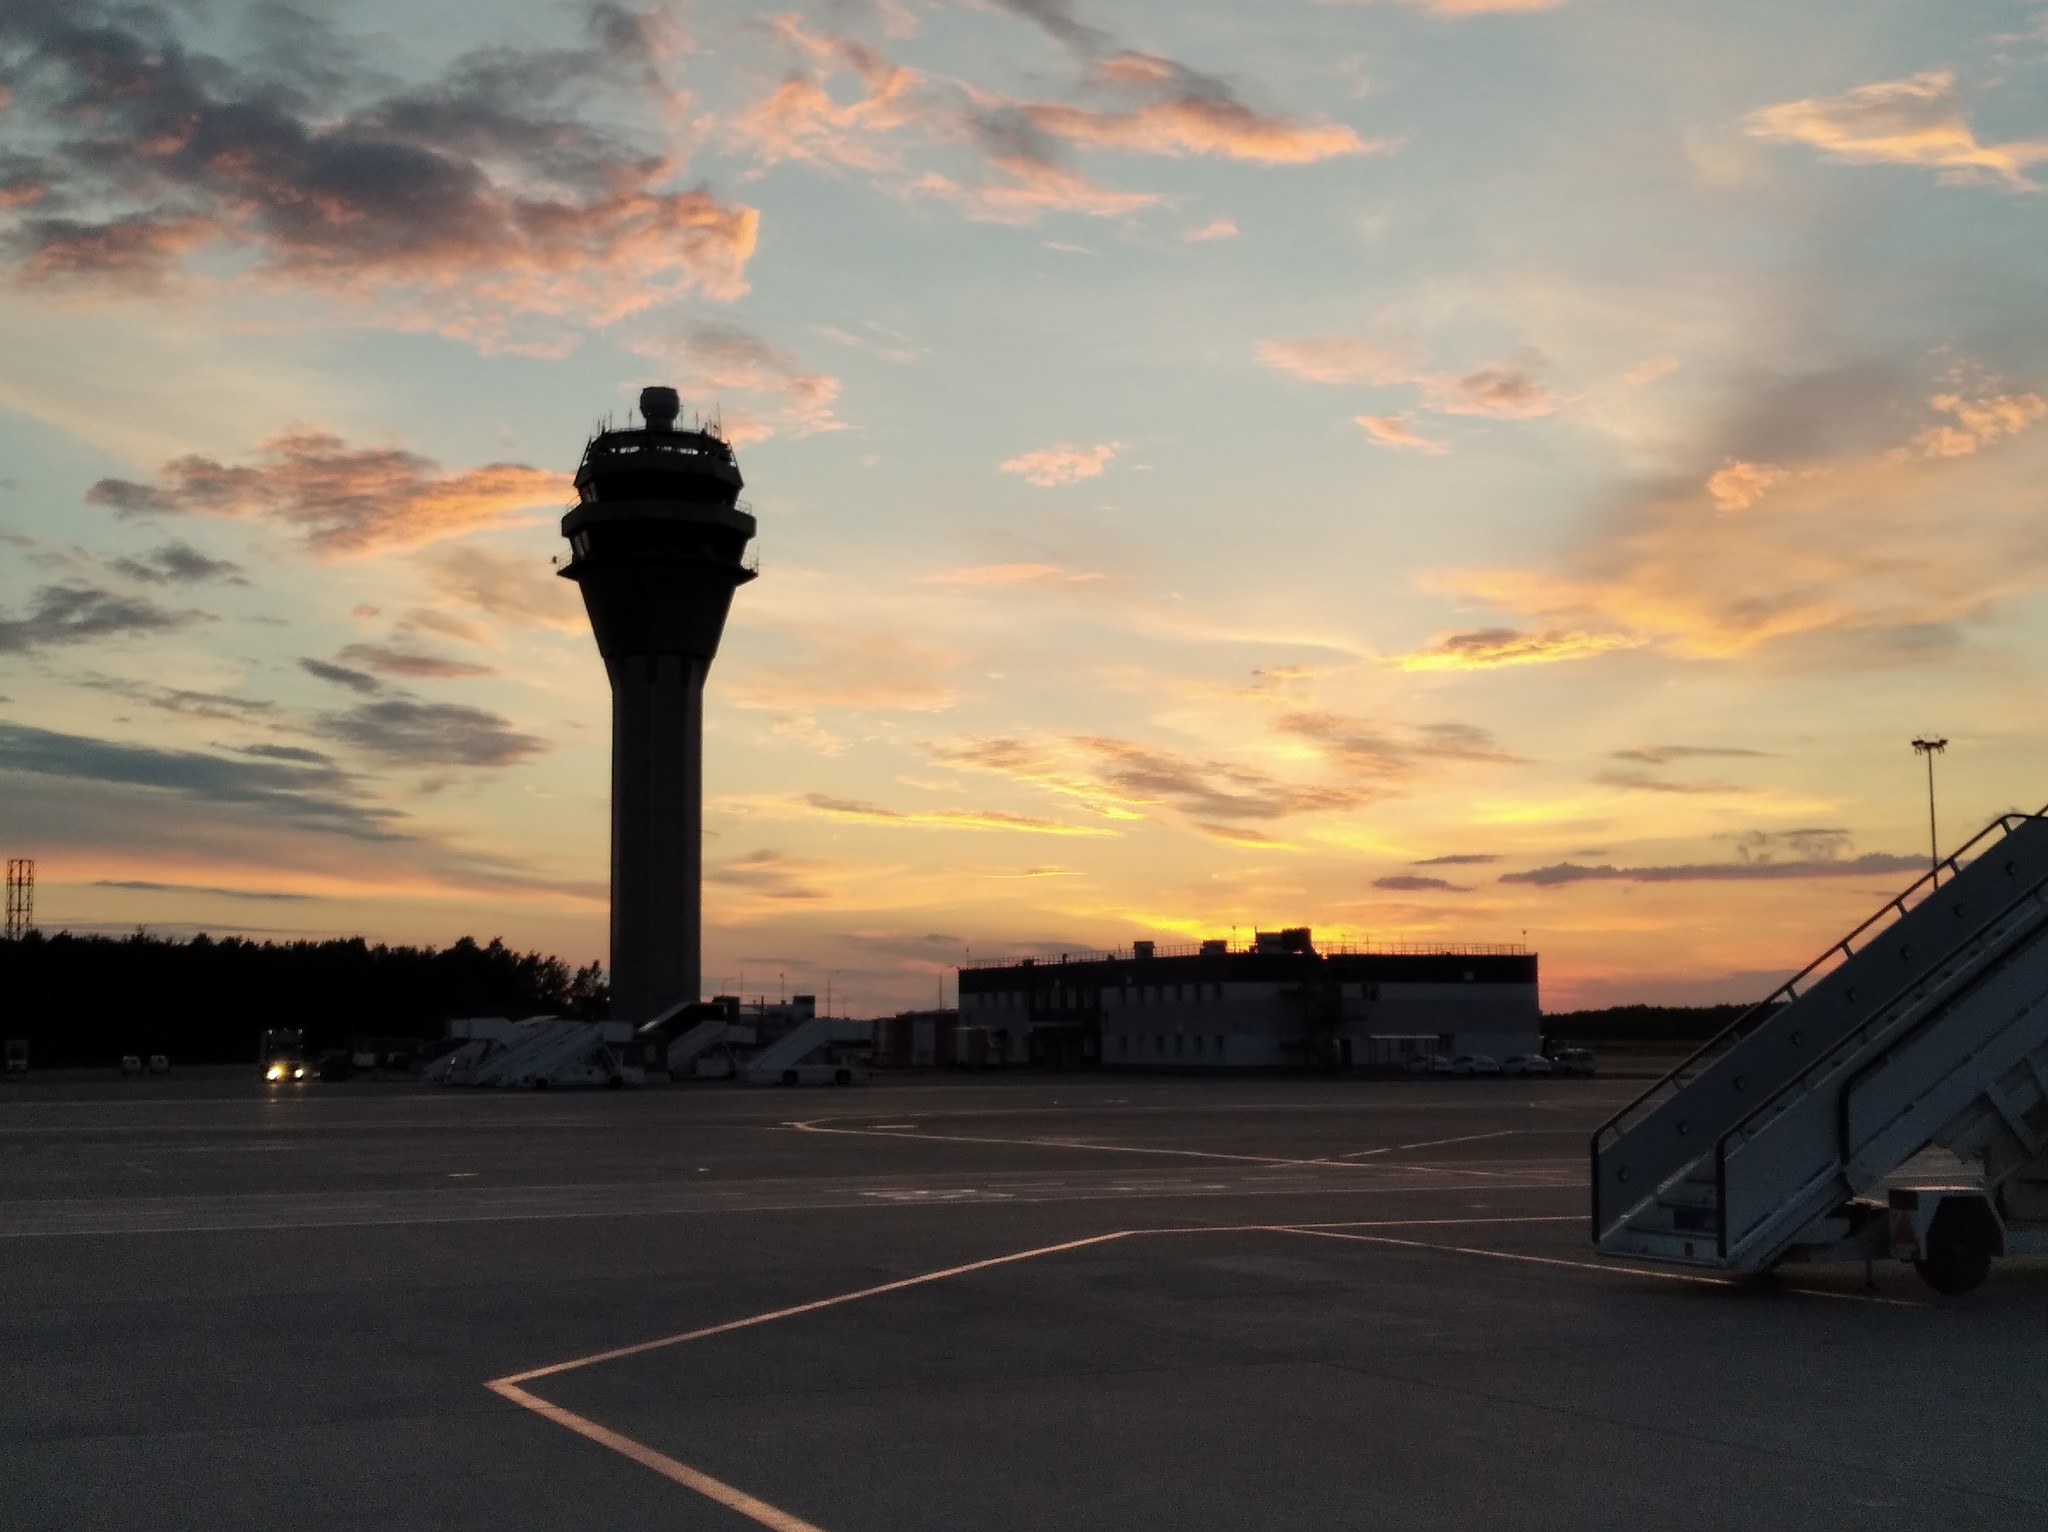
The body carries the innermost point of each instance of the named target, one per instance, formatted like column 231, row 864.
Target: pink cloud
column 1394, row 431
column 1050, row 467
column 1915, row 121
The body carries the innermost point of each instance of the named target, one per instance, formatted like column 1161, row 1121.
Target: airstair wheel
column 1959, row 1249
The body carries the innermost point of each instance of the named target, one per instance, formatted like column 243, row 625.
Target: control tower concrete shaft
column 657, row 543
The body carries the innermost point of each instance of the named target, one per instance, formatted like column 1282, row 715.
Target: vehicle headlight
column 275, row 1072
column 298, row 1074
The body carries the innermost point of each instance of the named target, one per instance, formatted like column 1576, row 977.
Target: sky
column 1428, row 470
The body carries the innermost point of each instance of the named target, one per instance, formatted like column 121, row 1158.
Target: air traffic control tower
column 657, row 543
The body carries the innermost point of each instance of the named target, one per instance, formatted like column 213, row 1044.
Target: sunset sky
column 1432, row 470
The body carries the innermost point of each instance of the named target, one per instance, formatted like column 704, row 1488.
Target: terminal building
column 1279, row 1003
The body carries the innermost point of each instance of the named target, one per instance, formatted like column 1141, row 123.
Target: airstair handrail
column 1848, row 1044
column 1893, row 909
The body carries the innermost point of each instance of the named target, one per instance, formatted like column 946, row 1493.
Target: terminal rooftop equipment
column 1278, row 1003
column 1889, row 1101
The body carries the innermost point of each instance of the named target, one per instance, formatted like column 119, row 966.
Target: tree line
column 91, row 999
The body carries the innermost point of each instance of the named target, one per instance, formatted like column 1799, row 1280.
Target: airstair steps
column 1926, row 1025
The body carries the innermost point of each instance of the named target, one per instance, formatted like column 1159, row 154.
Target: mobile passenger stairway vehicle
column 1921, row 1036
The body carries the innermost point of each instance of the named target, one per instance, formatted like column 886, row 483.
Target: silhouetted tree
column 89, row 999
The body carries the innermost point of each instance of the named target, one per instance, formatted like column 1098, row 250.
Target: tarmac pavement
column 1085, row 1302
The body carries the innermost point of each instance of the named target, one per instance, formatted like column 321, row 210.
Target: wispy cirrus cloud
column 1395, row 431
column 342, row 500
column 386, row 659
column 1010, row 574
column 1855, row 548
column 1915, row 121
column 776, row 393
column 1491, row 648
column 454, row 204
column 1501, row 391
column 1051, row 467
column 829, row 806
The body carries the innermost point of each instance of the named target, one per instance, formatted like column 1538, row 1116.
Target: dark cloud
column 78, row 614
column 410, row 662
column 1057, row 19
column 309, row 797
column 341, row 675
column 1457, row 859
column 288, row 753
column 411, row 733
column 1648, row 782
column 343, row 500
column 1408, row 883
column 177, row 563
column 770, row 874
column 194, row 888
column 491, row 176
column 1210, row 789
column 223, row 706
column 1376, row 751
column 1719, row 872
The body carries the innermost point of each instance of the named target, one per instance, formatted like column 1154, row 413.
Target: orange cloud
column 1215, row 228
column 1394, row 431
column 1193, row 115
column 1978, row 422
column 345, row 500
column 1737, row 485
column 510, row 588
column 1863, row 552
column 1338, row 359
column 800, row 120
column 1915, row 121
column 1034, row 187
column 1491, row 648
column 837, row 667
column 1050, row 467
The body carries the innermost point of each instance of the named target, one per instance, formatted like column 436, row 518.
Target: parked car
column 1426, row 1064
column 1475, row 1064
column 1576, row 1062
column 1526, row 1064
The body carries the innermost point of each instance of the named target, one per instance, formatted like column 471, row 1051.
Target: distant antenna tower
column 21, row 896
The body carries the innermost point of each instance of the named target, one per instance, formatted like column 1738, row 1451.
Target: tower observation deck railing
column 1611, row 1205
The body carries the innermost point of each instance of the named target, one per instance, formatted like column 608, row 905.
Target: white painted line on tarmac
column 808, row 1308
column 1551, row 1260
column 1432, row 1143
column 752, row 1507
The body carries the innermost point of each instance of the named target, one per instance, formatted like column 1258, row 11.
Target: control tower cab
column 657, row 541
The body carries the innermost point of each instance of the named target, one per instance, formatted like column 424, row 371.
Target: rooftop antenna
column 21, row 896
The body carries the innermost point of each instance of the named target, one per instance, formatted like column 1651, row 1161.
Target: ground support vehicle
column 1573, row 1063
column 1806, row 1130
column 811, row 1053
column 283, row 1055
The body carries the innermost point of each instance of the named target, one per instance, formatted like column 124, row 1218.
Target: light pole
column 835, row 973
column 1930, row 748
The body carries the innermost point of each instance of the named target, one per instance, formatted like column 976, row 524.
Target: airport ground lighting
column 658, row 545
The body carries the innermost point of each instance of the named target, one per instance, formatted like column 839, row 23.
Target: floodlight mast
column 1930, row 748
column 658, row 544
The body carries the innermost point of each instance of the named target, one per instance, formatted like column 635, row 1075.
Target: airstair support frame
column 1837, row 1131
column 1683, row 1118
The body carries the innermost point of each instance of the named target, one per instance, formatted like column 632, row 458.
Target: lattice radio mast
column 21, row 896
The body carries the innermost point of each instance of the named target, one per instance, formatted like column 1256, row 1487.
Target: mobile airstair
column 538, row 1052
column 804, row 1055
column 1921, row 1036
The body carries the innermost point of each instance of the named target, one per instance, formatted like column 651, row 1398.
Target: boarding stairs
column 787, row 1059
column 542, row 1051
column 1925, row 1028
